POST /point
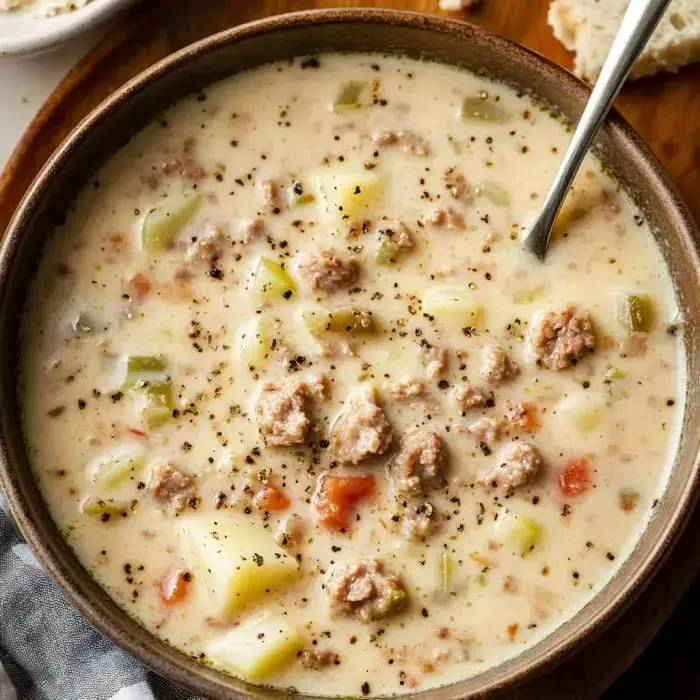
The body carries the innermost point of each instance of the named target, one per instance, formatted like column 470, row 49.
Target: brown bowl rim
column 171, row 663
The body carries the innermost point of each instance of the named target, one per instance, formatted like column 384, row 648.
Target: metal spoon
column 637, row 26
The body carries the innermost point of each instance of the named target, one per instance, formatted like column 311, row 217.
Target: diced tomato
column 174, row 587
column 338, row 496
column 575, row 477
column 138, row 287
column 271, row 498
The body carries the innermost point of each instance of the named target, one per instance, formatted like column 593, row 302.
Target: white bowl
column 23, row 33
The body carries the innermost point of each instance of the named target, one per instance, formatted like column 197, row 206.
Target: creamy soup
column 301, row 404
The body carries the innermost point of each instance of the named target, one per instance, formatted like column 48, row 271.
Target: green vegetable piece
column 389, row 252
column 446, row 570
column 104, row 508
column 495, row 193
column 349, row 96
column 474, row 109
column 521, row 532
column 162, row 224
column 346, row 320
column 271, row 281
column 155, row 402
column 635, row 312
column 628, row 499
column 614, row 373
column 144, row 368
column 300, row 196
column 114, row 466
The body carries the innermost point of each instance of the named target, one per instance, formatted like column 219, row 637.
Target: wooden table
column 664, row 110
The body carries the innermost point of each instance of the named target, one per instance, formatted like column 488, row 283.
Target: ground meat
column 561, row 338
column 317, row 386
column 362, row 590
column 447, row 218
column 329, row 272
column 409, row 141
column 281, row 412
column 254, row 230
column 270, row 193
column 289, row 530
column 519, row 463
column 168, row 484
column 315, row 659
column 456, row 184
column 418, row 522
column 498, row 367
column 435, row 361
column 408, row 389
column 470, row 397
column 181, row 164
column 419, row 462
column 208, row 246
column 488, row 431
column 361, row 431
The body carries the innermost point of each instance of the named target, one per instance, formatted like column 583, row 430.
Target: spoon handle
column 636, row 29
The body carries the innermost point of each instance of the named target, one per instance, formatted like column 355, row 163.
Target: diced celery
column 253, row 342
column 614, row 373
column 155, row 402
column 389, row 252
column 479, row 110
column 163, row 223
column 453, row 305
column 350, row 194
column 346, row 320
column 521, row 532
column 531, row 295
column 300, row 196
column 635, row 311
column 271, row 281
column 235, row 561
column 349, row 96
column 258, row 647
column 446, row 570
column 584, row 410
column 104, row 507
column 144, row 368
column 495, row 192
column 115, row 465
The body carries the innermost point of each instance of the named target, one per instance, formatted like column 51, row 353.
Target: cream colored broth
column 277, row 124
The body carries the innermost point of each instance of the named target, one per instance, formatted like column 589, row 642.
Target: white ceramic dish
column 22, row 33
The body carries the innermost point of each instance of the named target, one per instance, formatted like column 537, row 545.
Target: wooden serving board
column 663, row 110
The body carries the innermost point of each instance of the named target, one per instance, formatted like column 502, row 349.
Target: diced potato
column 584, row 410
column 144, row 368
column 635, row 311
column 453, row 305
column 155, row 402
column 474, row 109
column 350, row 194
column 521, row 532
column 253, row 342
column 104, row 508
column 349, row 96
column 235, row 560
column 495, row 192
column 258, row 647
column 346, row 320
column 163, row 223
column 271, row 281
column 114, row 466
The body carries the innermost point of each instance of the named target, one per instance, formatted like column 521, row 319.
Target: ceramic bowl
column 282, row 37
column 23, row 33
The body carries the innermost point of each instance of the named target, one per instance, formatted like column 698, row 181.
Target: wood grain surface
column 665, row 110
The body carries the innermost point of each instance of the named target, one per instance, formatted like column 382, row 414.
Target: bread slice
column 588, row 27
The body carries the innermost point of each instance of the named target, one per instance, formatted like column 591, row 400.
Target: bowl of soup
column 286, row 404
